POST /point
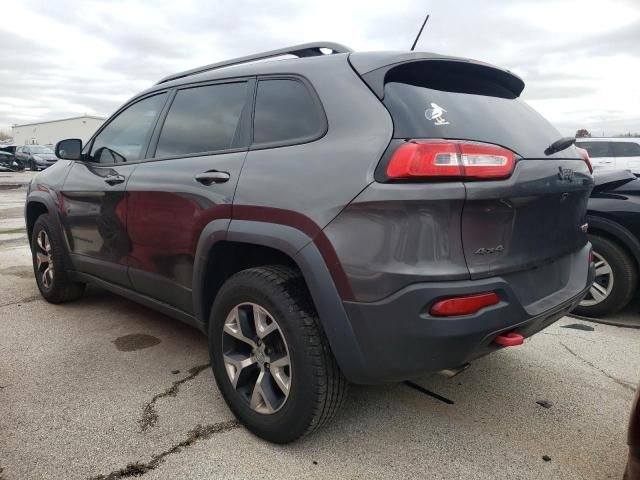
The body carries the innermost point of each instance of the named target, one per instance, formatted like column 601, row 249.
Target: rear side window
column 626, row 149
column 596, row 149
column 286, row 112
column 431, row 100
column 202, row 119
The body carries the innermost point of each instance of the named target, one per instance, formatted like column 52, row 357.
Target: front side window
column 596, row 149
column 626, row 149
column 125, row 137
column 286, row 112
column 203, row 119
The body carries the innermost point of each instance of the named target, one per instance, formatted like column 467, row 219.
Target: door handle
column 114, row 179
column 214, row 176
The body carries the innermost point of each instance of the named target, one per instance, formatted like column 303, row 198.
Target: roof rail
column 312, row 49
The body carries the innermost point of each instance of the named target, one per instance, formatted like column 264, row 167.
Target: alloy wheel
column 44, row 259
column 602, row 285
column 256, row 357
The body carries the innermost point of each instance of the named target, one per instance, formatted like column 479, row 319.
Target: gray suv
column 336, row 217
column 36, row 157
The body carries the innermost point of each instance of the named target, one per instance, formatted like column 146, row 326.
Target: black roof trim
column 312, row 49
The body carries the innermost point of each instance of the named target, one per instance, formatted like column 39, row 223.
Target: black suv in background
column 614, row 230
column 338, row 216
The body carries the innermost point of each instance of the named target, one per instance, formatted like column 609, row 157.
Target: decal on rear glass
column 435, row 113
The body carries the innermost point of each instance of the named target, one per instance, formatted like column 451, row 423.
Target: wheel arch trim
column 306, row 254
column 619, row 233
column 42, row 198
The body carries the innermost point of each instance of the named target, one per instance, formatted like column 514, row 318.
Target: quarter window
column 626, row 149
column 286, row 112
column 126, row 136
column 203, row 119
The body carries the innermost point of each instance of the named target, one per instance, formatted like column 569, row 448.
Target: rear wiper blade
column 560, row 145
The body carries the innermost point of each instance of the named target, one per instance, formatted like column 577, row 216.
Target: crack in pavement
column 200, row 432
column 19, row 302
column 622, row 383
column 149, row 414
column 569, row 336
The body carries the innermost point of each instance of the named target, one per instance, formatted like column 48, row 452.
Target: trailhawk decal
column 435, row 113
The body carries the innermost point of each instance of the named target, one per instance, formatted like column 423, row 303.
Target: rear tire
column 315, row 387
column 602, row 300
column 47, row 253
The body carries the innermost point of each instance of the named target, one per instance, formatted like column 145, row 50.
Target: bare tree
column 582, row 133
column 4, row 135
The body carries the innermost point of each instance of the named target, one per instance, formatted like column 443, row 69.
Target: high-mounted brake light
column 451, row 159
column 587, row 160
column 454, row 306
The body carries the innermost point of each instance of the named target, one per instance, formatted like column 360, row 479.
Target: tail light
column 467, row 305
column 451, row 159
column 587, row 160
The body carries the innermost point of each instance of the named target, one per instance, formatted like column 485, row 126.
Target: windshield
column 40, row 150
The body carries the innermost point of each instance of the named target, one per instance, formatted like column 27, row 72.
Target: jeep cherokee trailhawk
column 333, row 217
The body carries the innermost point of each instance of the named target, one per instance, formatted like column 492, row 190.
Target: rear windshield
column 473, row 111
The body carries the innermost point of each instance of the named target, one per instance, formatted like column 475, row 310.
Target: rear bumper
column 398, row 338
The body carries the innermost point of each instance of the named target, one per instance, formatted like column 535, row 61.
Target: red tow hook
column 510, row 339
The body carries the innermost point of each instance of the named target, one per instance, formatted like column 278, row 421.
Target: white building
column 49, row 133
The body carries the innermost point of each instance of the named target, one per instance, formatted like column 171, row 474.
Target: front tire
column 270, row 356
column 615, row 283
column 47, row 253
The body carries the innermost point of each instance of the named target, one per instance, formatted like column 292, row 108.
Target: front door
column 94, row 201
column 627, row 153
column 189, row 181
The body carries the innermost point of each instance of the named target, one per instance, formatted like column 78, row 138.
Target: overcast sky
column 580, row 59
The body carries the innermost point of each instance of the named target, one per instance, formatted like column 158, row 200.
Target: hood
column 612, row 180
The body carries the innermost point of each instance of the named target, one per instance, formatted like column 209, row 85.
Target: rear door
column 509, row 224
column 601, row 154
column 94, row 203
column 187, row 181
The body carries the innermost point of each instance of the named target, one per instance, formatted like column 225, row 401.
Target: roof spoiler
column 375, row 69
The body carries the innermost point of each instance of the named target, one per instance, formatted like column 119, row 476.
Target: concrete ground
column 103, row 388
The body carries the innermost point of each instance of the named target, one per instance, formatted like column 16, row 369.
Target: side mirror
column 70, row 149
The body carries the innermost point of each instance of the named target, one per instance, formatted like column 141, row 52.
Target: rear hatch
column 509, row 224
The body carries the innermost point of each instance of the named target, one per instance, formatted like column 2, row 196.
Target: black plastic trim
column 618, row 231
column 160, row 287
column 307, row 257
column 109, row 271
column 139, row 298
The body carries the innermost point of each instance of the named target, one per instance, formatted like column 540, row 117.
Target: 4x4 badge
column 435, row 113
